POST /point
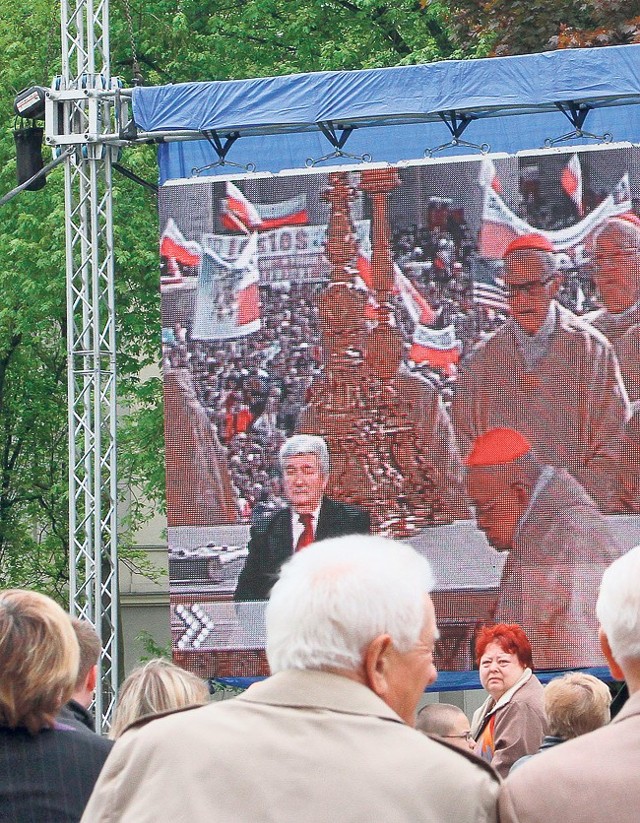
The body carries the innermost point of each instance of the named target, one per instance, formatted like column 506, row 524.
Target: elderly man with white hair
column 310, row 516
column 350, row 639
column 593, row 777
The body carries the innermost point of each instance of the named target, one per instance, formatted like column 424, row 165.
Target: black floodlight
column 29, row 103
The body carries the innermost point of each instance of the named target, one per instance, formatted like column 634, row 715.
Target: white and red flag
column 227, row 297
column 174, row 246
column 500, row 225
column 418, row 308
column 240, row 214
column 438, row 347
column 291, row 212
column 571, row 182
column 416, row 305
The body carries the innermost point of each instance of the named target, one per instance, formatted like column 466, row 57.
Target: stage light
column 29, row 156
column 29, row 103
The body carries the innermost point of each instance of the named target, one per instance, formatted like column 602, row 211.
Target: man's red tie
column 307, row 533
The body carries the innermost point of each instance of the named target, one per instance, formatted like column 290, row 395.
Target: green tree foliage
column 219, row 40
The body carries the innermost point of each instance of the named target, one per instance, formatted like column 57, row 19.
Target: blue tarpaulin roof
column 397, row 113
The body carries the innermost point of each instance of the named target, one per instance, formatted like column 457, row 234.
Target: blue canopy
column 504, row 104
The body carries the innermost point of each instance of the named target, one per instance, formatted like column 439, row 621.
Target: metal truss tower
column 79, row 112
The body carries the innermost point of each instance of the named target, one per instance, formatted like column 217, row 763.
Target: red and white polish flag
column 174, row 246
column 488, row 176
column 240, row 214
column 571, row 182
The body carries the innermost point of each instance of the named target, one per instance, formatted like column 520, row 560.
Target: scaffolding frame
column 77, row 115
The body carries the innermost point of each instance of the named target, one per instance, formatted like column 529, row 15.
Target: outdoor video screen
column 426, row 320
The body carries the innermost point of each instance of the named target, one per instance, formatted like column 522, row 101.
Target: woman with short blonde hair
column 576, row 703
column 39, row 660
column 47, row 767
column 158, row 686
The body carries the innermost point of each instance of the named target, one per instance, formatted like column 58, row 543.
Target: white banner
column 290, row 253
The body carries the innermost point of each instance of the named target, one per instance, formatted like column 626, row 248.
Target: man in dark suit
column 76, row 711
column 304, row 459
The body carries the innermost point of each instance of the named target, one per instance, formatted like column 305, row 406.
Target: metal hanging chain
column 138, row 79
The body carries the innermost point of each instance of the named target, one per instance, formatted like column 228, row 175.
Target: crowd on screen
column 254, row 388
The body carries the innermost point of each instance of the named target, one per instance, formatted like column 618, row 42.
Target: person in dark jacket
column 77, row 709
column 48, row 766
column 310, row 516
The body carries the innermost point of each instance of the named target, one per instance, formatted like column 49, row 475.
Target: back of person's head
column 618, row 606
column 510, row 637
column 38, row 659
column 158, row 686
column 575, row 704
column 90, row 646
column 441, row 719
column 336, row 596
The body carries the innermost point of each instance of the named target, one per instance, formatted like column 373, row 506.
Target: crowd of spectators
column 254, row 388
column 340, row 710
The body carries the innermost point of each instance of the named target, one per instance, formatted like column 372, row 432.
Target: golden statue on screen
column 391, row 443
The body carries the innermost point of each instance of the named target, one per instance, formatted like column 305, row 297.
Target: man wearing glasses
column 558, row 546
column 549, row 375
column 616, row 271
column 448, row 722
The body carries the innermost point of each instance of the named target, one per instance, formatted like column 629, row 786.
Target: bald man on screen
column 550, row 376
column 558, row 546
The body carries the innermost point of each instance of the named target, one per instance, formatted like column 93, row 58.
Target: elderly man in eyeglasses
column 616, row 259
column 549, row 375
column 558, row 546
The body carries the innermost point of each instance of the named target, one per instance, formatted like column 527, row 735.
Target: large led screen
column 464, row 336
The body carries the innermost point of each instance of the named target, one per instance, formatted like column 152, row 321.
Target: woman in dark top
column 47, row 767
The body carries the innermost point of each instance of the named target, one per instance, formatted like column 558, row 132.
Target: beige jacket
column 591, row 779
column 520, row 723
column 298, row 747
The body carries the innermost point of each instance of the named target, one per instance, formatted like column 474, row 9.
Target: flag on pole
column 499, row 226
column 240, row 214
column 417, row 307
column 571, row 182
column 174, row 246
column 227, row 297
column 419, row 310
column 438, row 347
column 488, row 176
column 292, row 212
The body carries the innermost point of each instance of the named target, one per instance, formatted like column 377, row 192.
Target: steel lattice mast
column 79, row 114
